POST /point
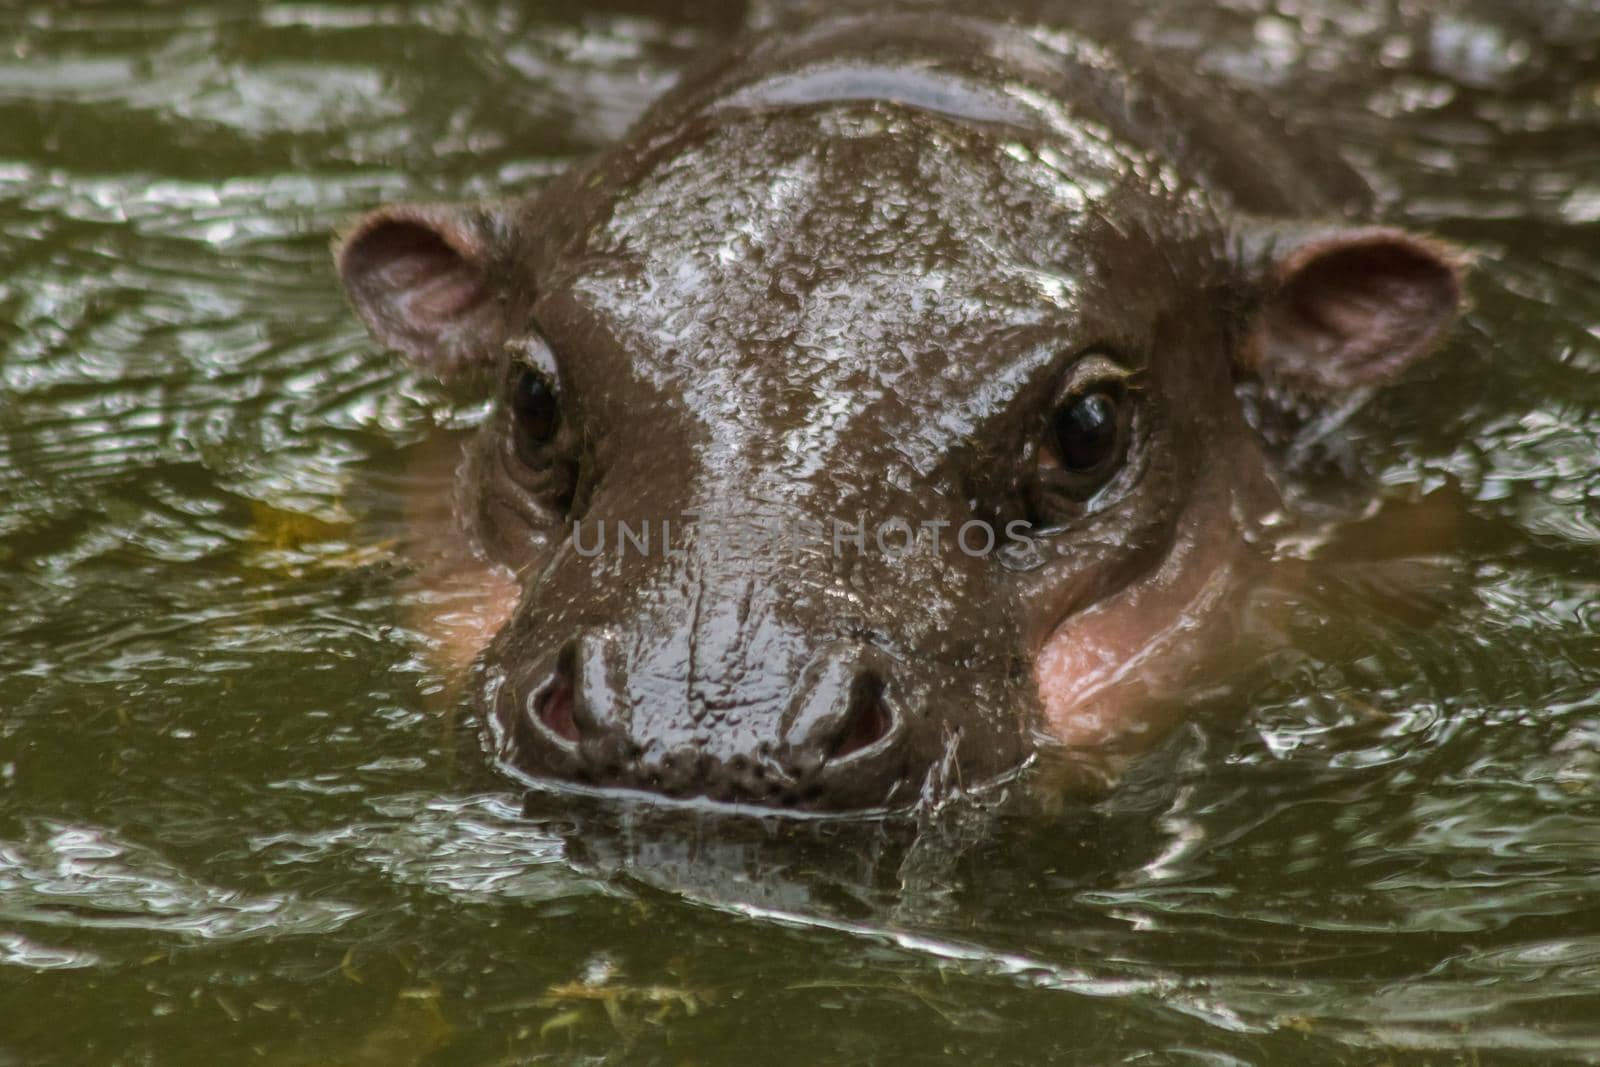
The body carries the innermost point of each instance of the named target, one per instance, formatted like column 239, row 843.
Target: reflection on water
column 230, row 824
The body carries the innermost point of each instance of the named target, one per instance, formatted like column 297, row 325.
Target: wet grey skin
column 917, row 268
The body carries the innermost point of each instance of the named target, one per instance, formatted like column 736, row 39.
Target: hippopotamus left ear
column 419, row 276
column 1339, row 309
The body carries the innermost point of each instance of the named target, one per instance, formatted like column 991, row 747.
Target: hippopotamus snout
column 839, row 734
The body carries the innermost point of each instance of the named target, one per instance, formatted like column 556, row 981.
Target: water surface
column 233, row 828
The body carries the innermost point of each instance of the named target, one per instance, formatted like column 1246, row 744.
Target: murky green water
column 231, row 828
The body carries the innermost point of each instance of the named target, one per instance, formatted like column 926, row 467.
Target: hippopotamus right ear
column 419, row 276
column 1341, row 308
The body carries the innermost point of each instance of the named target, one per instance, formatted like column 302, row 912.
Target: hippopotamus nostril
column 866, row 720
column 574, row 718
column 553, row 703
column 842, row 711
column 549, row 720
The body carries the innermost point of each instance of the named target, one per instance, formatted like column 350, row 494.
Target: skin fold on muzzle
column 875, row 413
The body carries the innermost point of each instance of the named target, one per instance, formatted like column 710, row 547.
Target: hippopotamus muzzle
column 768, row 677
column 843, row 739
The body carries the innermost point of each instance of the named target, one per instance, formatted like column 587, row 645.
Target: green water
column 233, row 829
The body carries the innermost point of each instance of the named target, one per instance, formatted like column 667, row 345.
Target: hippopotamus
column 900, row 398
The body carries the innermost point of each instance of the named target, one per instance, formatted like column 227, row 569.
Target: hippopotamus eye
column 534, row 405
column 1086, row 431
column 1085, row 442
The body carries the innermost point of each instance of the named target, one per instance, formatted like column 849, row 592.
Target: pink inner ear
column 1355, row 309
column 414, row 275
column 420, row 275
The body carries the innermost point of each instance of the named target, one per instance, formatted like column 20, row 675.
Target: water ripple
column 80, row 877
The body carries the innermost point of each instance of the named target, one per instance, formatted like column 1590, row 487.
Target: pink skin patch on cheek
column 1103, row 674
column 458, row 617
column 457, row 601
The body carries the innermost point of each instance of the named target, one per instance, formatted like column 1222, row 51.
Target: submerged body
column 870, row 417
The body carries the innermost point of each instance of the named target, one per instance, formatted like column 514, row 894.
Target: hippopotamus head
column 837, row 407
